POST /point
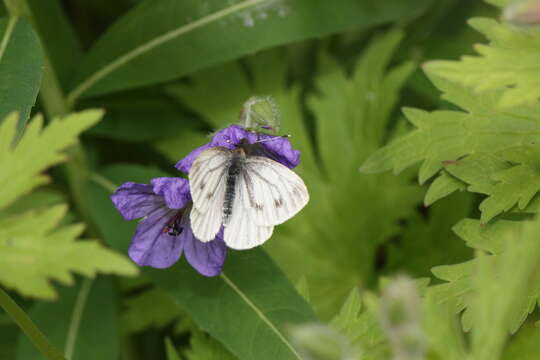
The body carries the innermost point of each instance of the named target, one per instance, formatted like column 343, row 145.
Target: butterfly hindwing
column 272, row 193
column 242, row 232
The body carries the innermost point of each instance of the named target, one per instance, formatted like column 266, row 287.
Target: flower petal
column 174, row 190
column 151, row 246
column 134, row 200
column 205, row 257
column 278, row 149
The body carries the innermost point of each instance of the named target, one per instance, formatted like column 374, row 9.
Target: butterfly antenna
column 273, row 138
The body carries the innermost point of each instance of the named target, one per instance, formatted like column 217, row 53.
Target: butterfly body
column 234, row 170
column 246, row 193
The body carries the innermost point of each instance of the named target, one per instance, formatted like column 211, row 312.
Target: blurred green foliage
column 168, row 73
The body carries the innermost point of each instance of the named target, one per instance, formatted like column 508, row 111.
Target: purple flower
column 165, row 231
column 278, row 148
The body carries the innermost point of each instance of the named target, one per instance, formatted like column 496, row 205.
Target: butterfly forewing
column 207, row 178
column 272, row 192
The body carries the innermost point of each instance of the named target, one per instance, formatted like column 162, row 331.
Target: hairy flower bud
column 523, row 12
column 261, row 113
column 401, row 319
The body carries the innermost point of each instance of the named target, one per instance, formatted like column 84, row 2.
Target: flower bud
column 261, row 113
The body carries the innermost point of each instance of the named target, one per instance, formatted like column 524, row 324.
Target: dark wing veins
column 249, row 185
column 211, row 193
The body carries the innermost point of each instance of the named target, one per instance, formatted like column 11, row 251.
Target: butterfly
column 247, row 193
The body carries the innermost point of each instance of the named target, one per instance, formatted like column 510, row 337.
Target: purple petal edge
column 135, row 201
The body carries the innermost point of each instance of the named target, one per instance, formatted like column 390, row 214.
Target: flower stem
column 28, row 327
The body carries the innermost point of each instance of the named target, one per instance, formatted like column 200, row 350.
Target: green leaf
column 140, row 116
column 499, row 3
column 505, row 289
column 49, row 252
column 444, row 185
column 188, row 39
column 203, row 347
column 361, row 326
column 510, row 63
column 509, row 178
column 141, row 310
column 442, row 329
column 245, row 308
column 172, row 354
column 37, row 150
column 524, row 345
column 83, row 322
column 37, row 200
column 499, row 239
column 57, row 36
column 442, row 136
column 21, row 67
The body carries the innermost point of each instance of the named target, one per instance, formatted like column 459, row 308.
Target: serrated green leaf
column 361, row 326
column 505, row 289
column 510, row 178
column 34, row 251
column 83, row 323
column 444, row 185
column 37, row 200
column 188, row 39
column 37, row 150
column 442, row 329
column 444, row 136
column 21, row 67
column 496, row 239
column 509, row 63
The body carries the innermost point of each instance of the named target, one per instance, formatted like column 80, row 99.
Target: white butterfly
column 248, row 194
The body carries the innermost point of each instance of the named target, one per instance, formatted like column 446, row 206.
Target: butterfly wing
column 241, row 231
column 207, row 178
column 271, row 192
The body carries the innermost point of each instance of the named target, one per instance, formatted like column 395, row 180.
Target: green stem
column 28, row 327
